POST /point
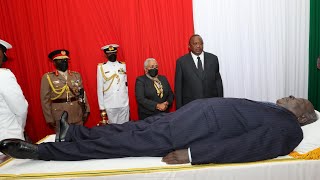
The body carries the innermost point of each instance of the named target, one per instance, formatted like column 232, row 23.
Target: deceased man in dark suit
column 197, row 74
column 153, row 91
column 214, row 130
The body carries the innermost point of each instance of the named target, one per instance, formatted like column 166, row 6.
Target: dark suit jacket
column 217, row 130
column 189, row 85
column 147, row 97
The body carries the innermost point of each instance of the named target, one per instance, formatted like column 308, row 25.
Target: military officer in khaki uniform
column 112, row 87
column 62, row 90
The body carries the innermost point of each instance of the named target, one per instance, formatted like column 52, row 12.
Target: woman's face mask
column 61, row 64
column 153, row 72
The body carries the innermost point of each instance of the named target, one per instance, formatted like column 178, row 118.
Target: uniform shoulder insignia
column 100, row 64
column 49, row 73
column 74, row 72
column 122, row 62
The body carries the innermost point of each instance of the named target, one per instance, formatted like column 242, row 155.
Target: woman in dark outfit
column 153, row 92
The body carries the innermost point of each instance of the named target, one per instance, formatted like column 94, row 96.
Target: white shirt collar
column 194, row 57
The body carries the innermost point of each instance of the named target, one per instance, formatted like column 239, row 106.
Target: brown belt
column 64, row 100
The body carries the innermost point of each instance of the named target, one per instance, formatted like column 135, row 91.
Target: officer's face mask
column 3, row 58
column 61, row 64
column 153, row 72
column 112, row 57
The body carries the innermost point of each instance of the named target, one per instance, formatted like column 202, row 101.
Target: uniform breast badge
column 121, row 71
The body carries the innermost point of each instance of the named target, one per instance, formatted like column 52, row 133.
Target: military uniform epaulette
column 122, row 62
column 100, row 64
column 54, row 72
column 75, row 72
column 69, row 72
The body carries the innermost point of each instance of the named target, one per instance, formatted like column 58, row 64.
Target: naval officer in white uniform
column 112, row 87
column 13, row 105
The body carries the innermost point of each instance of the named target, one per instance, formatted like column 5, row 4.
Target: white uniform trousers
column 118, row 115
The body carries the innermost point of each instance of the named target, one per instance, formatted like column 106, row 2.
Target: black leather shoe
column 63, row 128
column 19, row 149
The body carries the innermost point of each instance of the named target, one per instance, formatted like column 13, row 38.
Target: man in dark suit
column 153, row 91
column 197, row 74
column 223, row 130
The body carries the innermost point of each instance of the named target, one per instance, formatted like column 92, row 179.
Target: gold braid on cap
column 108, row 79
column 58, row 91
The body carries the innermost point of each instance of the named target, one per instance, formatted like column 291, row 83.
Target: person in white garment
column 13, row 105
column 112, row 87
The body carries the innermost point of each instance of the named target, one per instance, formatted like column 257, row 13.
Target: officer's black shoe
column 19, row 149
column 63, row 128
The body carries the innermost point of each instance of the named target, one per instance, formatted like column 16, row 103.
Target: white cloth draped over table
column 285, row 168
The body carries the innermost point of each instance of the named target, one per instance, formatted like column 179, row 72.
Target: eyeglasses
column 153, row 67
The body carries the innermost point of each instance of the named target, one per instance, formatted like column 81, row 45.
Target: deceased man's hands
column 177, row 157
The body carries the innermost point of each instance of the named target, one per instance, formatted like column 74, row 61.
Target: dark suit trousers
column 112, row 141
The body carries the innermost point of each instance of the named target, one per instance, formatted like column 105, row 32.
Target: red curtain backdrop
column 142, row 28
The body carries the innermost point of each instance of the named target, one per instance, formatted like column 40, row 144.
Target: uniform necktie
column 200, row 68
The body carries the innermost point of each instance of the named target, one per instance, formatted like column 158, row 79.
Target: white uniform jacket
column 112, row 85
column 13, row 107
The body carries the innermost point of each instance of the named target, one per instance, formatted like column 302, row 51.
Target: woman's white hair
column 146, row 62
